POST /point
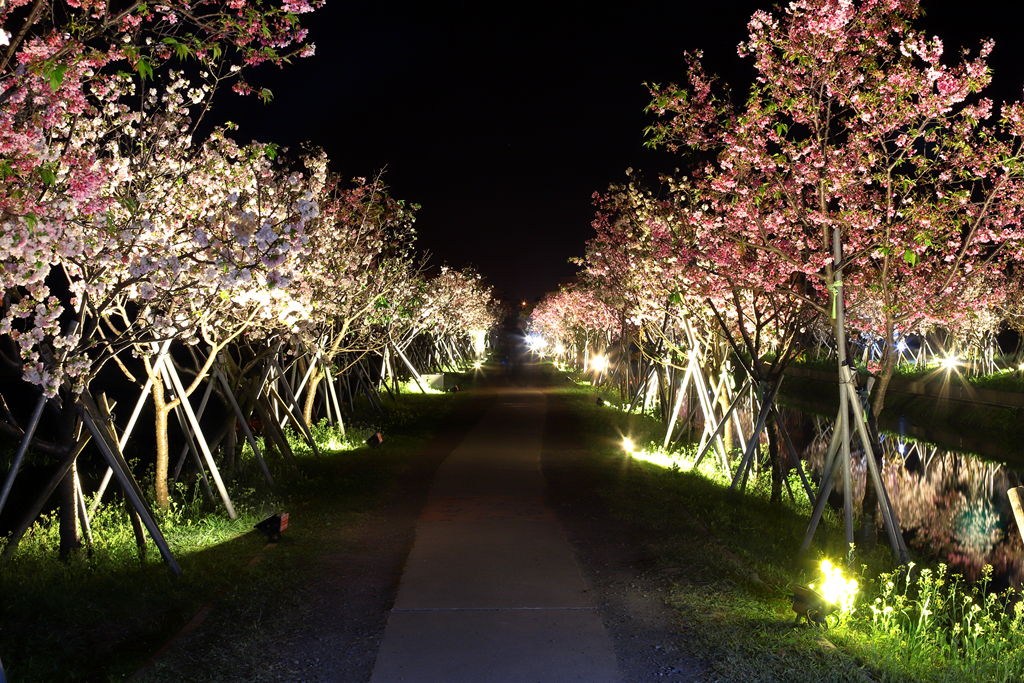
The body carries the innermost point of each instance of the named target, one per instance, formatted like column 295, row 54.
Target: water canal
column 948, row 491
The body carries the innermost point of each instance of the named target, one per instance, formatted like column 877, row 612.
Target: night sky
column 503, row 120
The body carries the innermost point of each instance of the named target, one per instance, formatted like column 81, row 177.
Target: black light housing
column 273, row 526
column 600, row 401
column 375, row 440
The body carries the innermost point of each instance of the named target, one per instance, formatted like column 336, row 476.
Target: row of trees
column 128, row 221
column 862, row 168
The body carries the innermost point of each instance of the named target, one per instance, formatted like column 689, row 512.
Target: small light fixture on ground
column 628, row 445
column 600, row 401
column 836, row 594
column 273, row 526
column 375, row 440
column 949, row 362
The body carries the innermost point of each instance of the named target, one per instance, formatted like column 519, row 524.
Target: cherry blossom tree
column 855, row 124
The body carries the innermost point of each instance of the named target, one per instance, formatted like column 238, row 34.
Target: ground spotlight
column 273, row 526
column 375, row 440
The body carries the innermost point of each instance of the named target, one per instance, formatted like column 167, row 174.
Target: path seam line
column 491, row 609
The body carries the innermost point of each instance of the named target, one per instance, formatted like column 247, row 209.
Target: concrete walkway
column 491, row 591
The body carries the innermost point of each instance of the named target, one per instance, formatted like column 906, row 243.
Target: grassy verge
column 734, row 564
column 100, row 615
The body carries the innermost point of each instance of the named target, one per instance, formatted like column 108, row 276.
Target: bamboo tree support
column 132, row 492
column 755, row 440
column 794, row 455
column 26, row 439
column 415, row 375
column 190, row 439
column 126, row 435
column 291, row 416
column 273, row 431
column 334, row 396
column 896, row 541
column 309, row 371
column 721, row 425
column 709, row 415
column 849, row 402
column 83, row 514
column 203, row 446
column 199, row 415
column 63, row 467
column 680, row 395
column 297, row 417
column 1016, row 495
column 242, row 421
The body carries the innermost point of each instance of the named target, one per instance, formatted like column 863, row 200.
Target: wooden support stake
column 199, row 414
column 242, row 421
column 415, row 375
column 124, row 477
column 83, row 514
column 334, row 396
column 203, row 446
column 63, row 467
column 127, row 431
column 680, row 395
column 752, row 445
column 1016, row 495
column 793, row 454
column 30, row 431
column 721, row 425
column 297, row 417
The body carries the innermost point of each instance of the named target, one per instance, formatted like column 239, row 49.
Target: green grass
column 734, row 564
column 104, row 612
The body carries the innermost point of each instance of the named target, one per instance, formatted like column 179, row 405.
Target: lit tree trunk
column 889, row 356
column 728, row 438
column 314, row 382
column 163, row 499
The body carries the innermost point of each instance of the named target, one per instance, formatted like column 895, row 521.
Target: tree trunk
column 231, row 445
column 66, row 494
column 869, row 506
column 771, row 431
column 163, row 498
column 311, row 386
column 889, row 356
column 69, row 539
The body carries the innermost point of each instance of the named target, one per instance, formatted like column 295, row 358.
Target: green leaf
column 56, row 76
column 910, row 256
column 144, row 68
column 5, row 170
column 47, row 175
column 180, row 49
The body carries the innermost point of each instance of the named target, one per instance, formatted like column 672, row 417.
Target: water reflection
column 951, row 506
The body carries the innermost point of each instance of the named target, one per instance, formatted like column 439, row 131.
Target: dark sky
column 502, row 120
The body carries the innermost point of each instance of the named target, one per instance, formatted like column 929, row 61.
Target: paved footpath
column 491, row 591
